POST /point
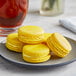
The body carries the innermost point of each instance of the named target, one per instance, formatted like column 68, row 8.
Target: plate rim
column 32, row 65
column 36, row 65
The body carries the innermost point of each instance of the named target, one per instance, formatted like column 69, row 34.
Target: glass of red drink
column 12, row 14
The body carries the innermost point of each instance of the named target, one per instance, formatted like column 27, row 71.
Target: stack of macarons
column 36, row 45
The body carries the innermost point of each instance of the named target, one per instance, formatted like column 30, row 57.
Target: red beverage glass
column 12, row 14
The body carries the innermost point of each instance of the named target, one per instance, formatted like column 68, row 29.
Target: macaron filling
column 14, row 45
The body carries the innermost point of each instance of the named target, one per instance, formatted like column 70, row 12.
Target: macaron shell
column 36, row 60
column 31, row 30
column 62, row 41
column 36, row 50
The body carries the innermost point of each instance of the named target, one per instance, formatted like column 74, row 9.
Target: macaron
column 59, row 45
column 36, row 53
column 31, row 34
column 13, row 43
column 46, row 36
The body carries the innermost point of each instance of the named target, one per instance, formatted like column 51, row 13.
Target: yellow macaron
column 13, row 43
column 46, row 36
column 59, row 45
column 31, row 34
column 36, row 53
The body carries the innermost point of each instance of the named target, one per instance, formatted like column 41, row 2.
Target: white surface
column 50, row 24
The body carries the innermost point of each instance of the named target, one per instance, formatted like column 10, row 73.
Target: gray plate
column 17, row 57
